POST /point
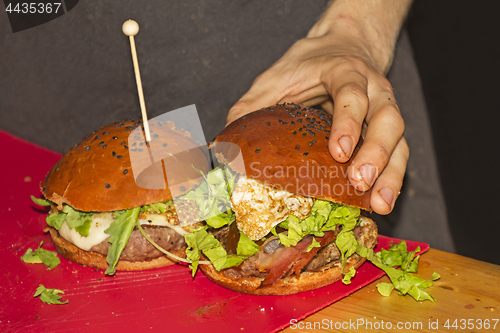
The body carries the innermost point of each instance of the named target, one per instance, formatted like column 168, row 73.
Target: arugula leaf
column 120, row 230
column 49, row 296
column 41, row 256
column 40, row 202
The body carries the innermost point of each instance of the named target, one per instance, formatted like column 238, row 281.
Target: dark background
column 62, row 80
column 456, row 48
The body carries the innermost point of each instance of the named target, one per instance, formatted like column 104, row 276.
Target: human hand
column 331, row 67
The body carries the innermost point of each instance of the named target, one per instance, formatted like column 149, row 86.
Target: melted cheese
column 102, row 221
column 260, row 207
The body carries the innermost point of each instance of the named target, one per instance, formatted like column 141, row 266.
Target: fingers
column 384, row 132
column 388, row 184
column 349, row 91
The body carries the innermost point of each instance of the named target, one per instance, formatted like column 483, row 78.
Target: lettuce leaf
column 213, row 197
column 40, row 202
column 49, row 296
column 41, row 256
column 402, row 279
column 80, row 221
column 200, row 241
column 120, row 230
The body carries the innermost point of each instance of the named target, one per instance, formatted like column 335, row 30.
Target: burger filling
column 94, row 231
column 271, row 233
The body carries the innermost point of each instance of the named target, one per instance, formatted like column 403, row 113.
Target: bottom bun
column 297, row 283
column 93, row 259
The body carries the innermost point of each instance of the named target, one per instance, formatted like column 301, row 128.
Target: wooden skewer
column 131, row 28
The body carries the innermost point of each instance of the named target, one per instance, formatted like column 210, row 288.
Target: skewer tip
column 130, row 28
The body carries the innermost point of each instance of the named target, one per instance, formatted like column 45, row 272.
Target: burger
column 295, row 221
column 98, row 210
column 276, row 214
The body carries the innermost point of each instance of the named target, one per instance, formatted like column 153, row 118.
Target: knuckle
column 385, row 84
column 404, row 149
column 355, row 91
column 392, row 119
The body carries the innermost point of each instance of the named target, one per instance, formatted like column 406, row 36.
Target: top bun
column 96, row 175
column 286, row 146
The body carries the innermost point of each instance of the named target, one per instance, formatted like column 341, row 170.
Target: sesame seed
column 305, row 154
column 103, row 147
column 107, row 185
column 242, row 127
column 297, row 147
column 87, row 148
column 165, row 144
column 113, row 153
column 119, row 156
column 294, row 132
column 115, row 137
column 101, row 143
column 268, row 123
column 122, row 143
column 257, row 150
column 304, row 134
column 125, row 171
column 97, row 137
column 104, row 133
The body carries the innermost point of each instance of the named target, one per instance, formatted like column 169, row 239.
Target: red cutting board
column 166, row 299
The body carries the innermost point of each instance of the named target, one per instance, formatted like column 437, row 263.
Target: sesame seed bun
column 286, row 146
column 96, row 175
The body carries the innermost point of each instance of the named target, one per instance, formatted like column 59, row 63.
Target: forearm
column 372, row 25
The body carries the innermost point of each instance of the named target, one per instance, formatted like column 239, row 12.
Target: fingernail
column 345, row 143
column 388, row 195
column 368, row 172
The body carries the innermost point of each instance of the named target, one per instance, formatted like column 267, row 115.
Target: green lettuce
column 158, row 207
column 402, row 279
column 78, row 220
column 213, row 197
column 200, row 241
column 120, row 230
column 41, row 202
column 41, row 256
column 49, row 296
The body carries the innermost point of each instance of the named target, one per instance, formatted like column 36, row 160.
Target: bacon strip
column 293, row 259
